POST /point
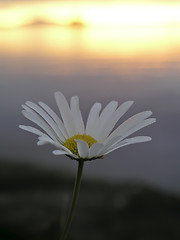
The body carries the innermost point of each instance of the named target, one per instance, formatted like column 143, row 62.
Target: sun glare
column 94, row 14
column 158, row 43
column 111, row 29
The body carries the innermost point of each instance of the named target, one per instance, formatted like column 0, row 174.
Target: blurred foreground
column 34, row 202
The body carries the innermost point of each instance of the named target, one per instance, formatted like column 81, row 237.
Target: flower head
column 71, row 137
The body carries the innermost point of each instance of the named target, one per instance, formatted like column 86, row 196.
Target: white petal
column 129, row 124
column 61, row 147
column 141, row 125
column 46, row 139
column 32, row 130
column 103, row 119
column 83, row 148
column 106, row 146
column 47, row 118
column 55, row 118
column 68, row 152
column 94, row 149
column 40, row 122
column 36, row 118
column 128, row 141
column 92, row 118
column 116, row 146
column 77, row 116
column 43, row 139
column 65, row 113
column 122, row 109
column 59, row 152
column 40, row 143
column 138, row 139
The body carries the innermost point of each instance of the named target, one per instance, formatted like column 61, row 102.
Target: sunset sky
column 100, row 51
column 90, row 13
column 110, row 28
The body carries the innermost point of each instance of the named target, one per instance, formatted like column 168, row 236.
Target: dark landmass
column 39, row 22
column 34, row 203
column 43, row 22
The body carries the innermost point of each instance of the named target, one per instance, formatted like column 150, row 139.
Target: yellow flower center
column 71, row 144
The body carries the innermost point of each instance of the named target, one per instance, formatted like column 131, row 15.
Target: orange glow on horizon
column 94, row 14
column 139, row 32
column 147, row 44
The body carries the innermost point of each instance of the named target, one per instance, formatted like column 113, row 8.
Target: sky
column 90, row 13
column 133, row 54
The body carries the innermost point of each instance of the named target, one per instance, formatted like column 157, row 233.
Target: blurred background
column 101, row 51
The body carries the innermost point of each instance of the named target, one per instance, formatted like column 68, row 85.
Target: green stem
column 74, row 199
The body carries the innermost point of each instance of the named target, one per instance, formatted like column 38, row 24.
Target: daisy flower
column 73, row 138
column 83, row 142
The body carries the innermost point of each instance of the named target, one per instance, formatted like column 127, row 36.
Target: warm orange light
column 116, row 30
column 96, row 14
column 125, row 43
